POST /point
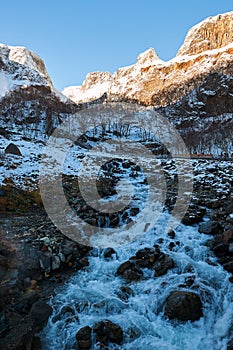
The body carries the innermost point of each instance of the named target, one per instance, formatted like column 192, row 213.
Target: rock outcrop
column 28, row 58
column 95, row 85
column 208, row 48
column 213, row 33
column 183, row 306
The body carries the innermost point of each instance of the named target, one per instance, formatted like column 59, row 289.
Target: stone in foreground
column 184, row 306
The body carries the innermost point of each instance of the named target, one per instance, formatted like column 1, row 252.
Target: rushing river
column 94, row 295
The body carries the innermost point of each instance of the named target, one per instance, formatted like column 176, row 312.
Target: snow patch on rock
column 28, row 58
column 147, row 57
column 94, row 86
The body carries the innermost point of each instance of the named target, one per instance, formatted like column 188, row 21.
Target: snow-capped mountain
column 15, row 74
column 28, row 58
column 207, row 48
column 30, row 107
column 194, row 91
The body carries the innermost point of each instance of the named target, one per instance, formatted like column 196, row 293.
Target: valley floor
column 36, row 260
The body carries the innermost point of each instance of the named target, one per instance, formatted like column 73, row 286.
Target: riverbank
column 35, row 258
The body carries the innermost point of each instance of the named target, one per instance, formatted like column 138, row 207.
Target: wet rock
column 221, row 249
column 83, row 338
column 130, row 271
column 189, row 268
column 147, row 256
column 228, row 236
column 45, row 262
column 3, row 326
column 13, row 149
column 194, row 215
column 134, row 211
column 230, row 345
column 109, row 252
column 162, row 266
column 40, row 312
column 230, row 219
column 81, row 263
column 125, row 292
column 71, row 248
column 56, row 262
column 108, row 332
column 46, row 241
column 228, row 266
column 210, row 228
column 151, row 258
column 171, row 234
column 189, row 281
column 36, row 343
column 184, row 306
column 4, row 265
column 19, row 337
column 214, row 204
column 171, row 245
column 28, row 299
column 62, row 257
column 126, row 164
column 229, row 209
column 31, row 269
column 67, row 310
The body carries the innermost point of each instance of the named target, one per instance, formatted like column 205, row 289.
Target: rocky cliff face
column 30, row 59
column 213, row 33
column 204, row 116
column 193, row 90
column 30, row 108
column 95, row 85
column 152, row 81
column 158, row 83
column 22, row 74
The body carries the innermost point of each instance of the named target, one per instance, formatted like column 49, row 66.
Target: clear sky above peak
column 75, row 37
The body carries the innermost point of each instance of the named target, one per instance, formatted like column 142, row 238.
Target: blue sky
column 75, row 37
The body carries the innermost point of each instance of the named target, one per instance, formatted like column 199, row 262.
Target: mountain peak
column 208, row 48
column 96, row 78
column 212, row 33
column 147, row 57
column 93, row 87
column 30, row 59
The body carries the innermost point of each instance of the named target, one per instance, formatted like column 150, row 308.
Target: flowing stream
column 94, row 295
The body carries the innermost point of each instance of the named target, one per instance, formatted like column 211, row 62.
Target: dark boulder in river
column 184, row 306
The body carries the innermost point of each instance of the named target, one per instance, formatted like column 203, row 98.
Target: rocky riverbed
column 35, row 259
